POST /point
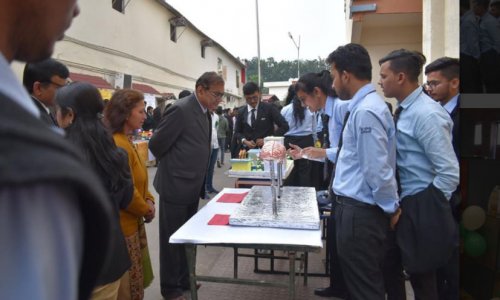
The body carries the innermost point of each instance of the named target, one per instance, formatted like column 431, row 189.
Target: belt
column 353, row 202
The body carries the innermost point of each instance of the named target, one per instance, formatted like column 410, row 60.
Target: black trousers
column 470, row 75
column 174, row 274
column 490, row 71
column 361, row 237
column 424, row 285
column 394, row 280
column 301, row 174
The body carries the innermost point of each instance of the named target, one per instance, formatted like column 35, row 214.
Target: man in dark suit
column 181, row 142
column 443, row 82
column 42, row 79
column 256, row 120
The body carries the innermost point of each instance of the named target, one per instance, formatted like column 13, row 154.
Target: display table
column 197, row 232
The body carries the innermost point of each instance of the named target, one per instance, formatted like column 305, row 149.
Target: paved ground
column 217, row 261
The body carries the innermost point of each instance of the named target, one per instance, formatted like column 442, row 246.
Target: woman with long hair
column 79, row 113
column 124, row 114
column 301, row 132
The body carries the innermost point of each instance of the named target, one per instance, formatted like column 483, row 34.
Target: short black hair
column 184, row 93
column 219, row 110
column 209, row 78
column 449, row 67
column 352, row 58
column 250, row 88
column 43, row 71
column 405, row 61
column 322, row 80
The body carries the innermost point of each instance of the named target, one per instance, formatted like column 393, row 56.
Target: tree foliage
column 272, row 70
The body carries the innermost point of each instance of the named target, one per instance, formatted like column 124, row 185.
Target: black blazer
column 47, row 118
column 181, row 143
column 455, row 117
column 267, row 116
column 426, row 231
column 32, row 153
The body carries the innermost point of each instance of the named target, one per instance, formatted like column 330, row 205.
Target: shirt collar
column 250, row 108
column 11, row 88
column 42, row 104
column 330, row 101
column 360, row 95
column 203, row 108
column 450, row 105
column 411, row 98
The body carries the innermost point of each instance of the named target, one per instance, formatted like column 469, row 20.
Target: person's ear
column 71, row 115
column 455, row 83
column 37, row 88
column 401, row 77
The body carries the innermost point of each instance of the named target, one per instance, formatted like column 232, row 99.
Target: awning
column 145, row 88
column 97, row 81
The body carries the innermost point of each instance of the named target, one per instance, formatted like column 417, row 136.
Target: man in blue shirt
column 428, row 172
column 443, row 81
column 364, row 184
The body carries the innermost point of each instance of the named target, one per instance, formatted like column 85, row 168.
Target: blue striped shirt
column 336, row 110
column 366, row 165
column 424, row 150
column 307, row 127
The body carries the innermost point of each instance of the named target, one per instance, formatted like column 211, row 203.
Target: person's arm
column 279, row 121
column 167, row 132
column 238, row 126
column 374, row 159
column 434, row 134
column 42, row 230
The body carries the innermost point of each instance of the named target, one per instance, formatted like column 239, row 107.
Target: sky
column 232, row 23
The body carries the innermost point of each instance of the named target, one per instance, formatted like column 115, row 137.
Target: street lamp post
column 298, row 53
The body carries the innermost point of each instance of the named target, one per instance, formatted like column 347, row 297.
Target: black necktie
column 397, row 113
column 53, row 120
column 252, row 118
column 346, row 117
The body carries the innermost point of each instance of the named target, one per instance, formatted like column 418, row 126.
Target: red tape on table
column 232, row 198
column 219, row 219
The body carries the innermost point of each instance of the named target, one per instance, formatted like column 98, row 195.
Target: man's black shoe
column 330, row 292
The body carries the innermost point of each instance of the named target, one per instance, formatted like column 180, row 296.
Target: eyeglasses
column 432, row 84
column 57, row 85
column 217, row 95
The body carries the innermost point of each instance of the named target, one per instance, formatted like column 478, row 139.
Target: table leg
column 191, row 261
column 306, row 266
column 235, row 263
column 291, row 272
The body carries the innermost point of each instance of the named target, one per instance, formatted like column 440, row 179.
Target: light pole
column 298, row 53
column 258, row 40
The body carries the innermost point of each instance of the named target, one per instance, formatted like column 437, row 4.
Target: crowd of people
column 73, row 184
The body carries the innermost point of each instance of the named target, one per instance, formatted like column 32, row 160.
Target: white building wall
column 104, row 42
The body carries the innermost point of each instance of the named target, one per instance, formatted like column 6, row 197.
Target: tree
column 272, row 70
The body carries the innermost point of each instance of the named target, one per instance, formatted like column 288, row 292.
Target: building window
column 237, row 79
column 203, row 51
column 118, row 5
column 173, row 33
